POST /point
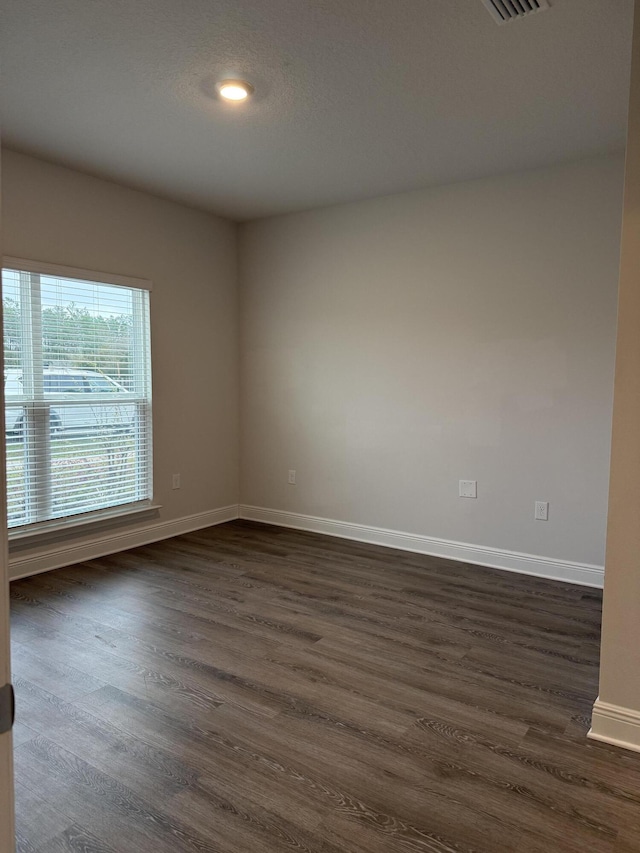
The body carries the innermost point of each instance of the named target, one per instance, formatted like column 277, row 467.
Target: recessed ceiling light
column 234, row 90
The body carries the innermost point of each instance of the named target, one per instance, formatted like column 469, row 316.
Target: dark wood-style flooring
column 248, row 689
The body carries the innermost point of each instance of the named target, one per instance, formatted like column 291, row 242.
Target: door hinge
column 7, row 708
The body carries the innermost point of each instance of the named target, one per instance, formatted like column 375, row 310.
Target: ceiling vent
column 503, row 11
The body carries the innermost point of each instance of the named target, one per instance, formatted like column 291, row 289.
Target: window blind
column 77, row 393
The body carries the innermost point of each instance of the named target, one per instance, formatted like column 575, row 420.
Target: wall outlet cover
column 542, row 511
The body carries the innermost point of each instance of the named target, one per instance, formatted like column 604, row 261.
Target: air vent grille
column 503, row 11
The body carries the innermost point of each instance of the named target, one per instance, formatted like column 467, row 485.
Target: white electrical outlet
column 542, row 511
column 175, row 481
column 468, row 489
column 292, row 477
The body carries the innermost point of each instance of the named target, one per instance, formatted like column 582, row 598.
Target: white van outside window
column 63, row 383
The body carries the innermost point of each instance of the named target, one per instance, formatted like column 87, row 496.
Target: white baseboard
column 511, row 561
column 615, row 725
column 24, row 565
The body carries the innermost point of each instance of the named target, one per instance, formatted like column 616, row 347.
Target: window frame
column 142, row 354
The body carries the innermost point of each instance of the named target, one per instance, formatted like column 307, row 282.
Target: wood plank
column 33, row 834
column 101, row 803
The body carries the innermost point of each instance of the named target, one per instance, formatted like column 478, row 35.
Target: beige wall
column 62, row 216
column 393, row 347
column 620, row 663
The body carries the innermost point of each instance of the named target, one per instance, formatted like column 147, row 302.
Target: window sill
column 51, row 531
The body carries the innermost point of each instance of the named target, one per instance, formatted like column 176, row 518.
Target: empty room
column 321, row 526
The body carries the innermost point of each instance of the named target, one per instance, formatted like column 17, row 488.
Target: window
column 77, row 382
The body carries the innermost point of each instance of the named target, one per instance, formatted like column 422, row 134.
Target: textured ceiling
column 354, row 98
